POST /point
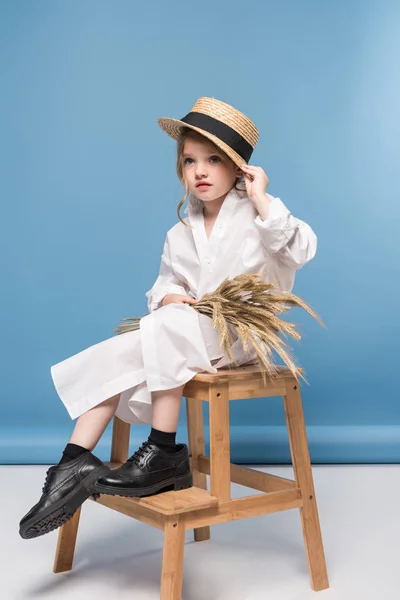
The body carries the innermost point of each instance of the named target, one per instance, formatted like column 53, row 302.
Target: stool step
column 182, row 501
column 165, row 503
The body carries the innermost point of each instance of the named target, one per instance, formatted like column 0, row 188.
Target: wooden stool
column 196, row 508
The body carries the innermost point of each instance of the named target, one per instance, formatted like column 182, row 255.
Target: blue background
column 88, row 190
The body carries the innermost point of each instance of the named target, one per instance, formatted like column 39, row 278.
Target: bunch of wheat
column 251, row 306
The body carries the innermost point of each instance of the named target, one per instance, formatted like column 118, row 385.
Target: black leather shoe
column 66, row 487
column 149, row 471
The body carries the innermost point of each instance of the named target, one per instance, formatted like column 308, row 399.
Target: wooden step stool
column 196, row 508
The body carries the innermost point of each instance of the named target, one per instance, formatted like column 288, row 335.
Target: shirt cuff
column 156, row 297
column 276, row 231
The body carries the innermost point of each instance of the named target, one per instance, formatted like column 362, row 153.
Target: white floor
column 253, row 559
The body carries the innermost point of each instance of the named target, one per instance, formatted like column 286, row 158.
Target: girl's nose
column 201, row 171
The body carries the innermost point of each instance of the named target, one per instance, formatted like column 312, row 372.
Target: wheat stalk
column 251, row 306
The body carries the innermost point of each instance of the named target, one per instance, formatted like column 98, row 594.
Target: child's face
column 201, row 162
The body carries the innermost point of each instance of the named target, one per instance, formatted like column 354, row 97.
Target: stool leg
column 195, row 425
column 66, row 544
column 172, row 561
column 304, row 479
column 220, row 454
column 120, row 440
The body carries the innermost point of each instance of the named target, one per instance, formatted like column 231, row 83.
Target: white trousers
column 173, row 344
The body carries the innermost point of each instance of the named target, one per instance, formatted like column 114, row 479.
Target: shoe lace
column 140, row 452
column 46, row 485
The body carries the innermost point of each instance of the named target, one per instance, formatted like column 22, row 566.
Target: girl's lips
column 203, row 186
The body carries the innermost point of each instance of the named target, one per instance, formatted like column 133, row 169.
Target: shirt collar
column 195, row 205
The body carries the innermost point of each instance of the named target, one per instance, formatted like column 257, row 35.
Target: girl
column 140, row 375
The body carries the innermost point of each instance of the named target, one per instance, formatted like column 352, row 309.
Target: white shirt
column 240, row 242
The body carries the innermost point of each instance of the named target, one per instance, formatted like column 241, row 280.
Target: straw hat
column 227, row 127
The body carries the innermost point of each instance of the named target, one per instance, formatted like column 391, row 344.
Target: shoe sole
column 174, row 483
column 63, row 510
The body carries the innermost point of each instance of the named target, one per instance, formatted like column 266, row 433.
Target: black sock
column 163, row 439
column 71, row 451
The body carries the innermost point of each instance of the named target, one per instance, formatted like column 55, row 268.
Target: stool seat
column 198, row 508
column 250, row 372
column 242, row 382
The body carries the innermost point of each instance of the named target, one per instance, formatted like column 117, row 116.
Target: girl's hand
column 256, row 182
column 178, row 299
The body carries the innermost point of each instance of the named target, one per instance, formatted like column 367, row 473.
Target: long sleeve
column 166, row 283
column 290, row 239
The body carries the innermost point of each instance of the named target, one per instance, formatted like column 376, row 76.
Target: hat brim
column 173, row 128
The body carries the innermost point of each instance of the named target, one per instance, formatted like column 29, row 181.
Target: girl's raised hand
column 256, row 182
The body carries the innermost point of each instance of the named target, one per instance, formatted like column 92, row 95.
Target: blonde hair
column 185, row 134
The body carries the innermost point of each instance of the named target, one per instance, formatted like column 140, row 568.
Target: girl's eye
column 212, row 158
